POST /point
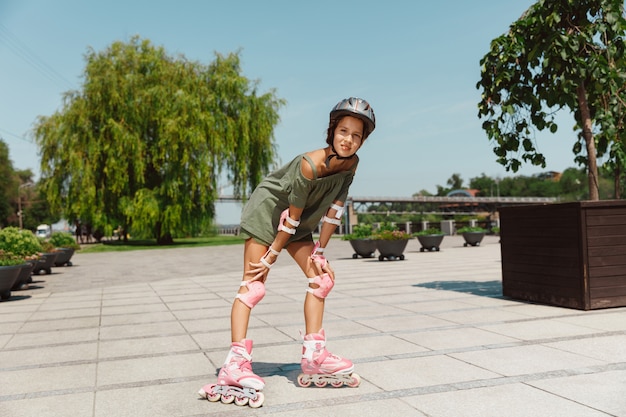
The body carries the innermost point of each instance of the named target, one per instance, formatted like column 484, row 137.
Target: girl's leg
column 319, row 366
column 236, row 381
column 240, row 313
column 313, row 306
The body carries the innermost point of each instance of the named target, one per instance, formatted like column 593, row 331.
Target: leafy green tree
column 455, row 182
column 486, row 186
column 8, row 185
column 144, row 141
column 559, row 55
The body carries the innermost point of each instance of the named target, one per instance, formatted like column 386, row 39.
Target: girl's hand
column 257, row 271
column 323, row 269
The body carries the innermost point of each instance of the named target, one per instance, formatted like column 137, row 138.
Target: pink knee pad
column 256, row 291
column 325, row 283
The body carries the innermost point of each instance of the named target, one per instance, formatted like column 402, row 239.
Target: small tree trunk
column 592, row 173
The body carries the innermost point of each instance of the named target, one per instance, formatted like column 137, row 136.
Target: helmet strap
column 334, row 155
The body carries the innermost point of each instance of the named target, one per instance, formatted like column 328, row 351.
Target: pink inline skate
column 321, row 367
column 236, row 382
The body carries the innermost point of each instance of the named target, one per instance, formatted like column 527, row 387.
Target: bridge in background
column 444, row 205
column 418, row 204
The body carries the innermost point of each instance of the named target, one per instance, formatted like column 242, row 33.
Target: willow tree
column 144, row 141
column 560, row 55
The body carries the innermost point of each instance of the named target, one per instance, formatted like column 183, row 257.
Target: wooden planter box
column 569, row 255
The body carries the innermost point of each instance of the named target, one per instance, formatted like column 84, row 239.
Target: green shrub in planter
column 22, row 243
column 472, row 235
column 46, row 245
column 359, row 231
column 64, row 240
column 474, row 229
column 9, row 259
column 426, row 232
column 388, row 231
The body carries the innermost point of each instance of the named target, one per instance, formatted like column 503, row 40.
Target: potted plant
column 391, row 242
column 65, row 245
column 23, row 244
column 10, row 266
column 47, row 259
column 472, row 235
column 361, row 241
column 430, row 239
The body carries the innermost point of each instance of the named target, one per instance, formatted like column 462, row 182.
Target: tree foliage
column 143, row 143
column 560, row 55
column 8, row 184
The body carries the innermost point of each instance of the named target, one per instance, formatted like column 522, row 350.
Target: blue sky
column 416, row 62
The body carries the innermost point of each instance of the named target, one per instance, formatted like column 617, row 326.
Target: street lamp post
column 19, row 201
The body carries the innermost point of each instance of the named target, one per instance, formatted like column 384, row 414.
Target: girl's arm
column 330, row 223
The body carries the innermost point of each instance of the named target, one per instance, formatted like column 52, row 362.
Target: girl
column 282, row 213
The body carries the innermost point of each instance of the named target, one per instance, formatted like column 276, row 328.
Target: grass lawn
column 121, row 246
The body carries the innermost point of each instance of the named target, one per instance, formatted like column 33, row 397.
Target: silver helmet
column 358, row 107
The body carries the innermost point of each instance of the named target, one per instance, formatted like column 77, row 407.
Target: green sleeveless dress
column 286, row 186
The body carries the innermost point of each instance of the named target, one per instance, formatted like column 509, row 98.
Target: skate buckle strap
column 338, row 209
column 313, row 346
column 284, row 217
column 338, row 213
column 336, row 222
column 264, row 261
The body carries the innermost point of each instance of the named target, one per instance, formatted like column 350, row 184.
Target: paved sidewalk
column 138, row 333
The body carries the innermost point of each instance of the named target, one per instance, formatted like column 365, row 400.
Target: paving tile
column 511, row 400
column 602, row 391
column 405, row 323
column 538, row 329
column 65, row 314
column 146, row 346
column 134, row 309
column 160, row 400
column 45, row 379
column 68, row 305
column 610, row 349
column 608, row 320
column 36, row 356
column 421, row 372
column 456, row 338
column 53, row 338
column 137, row 318
column 124, row 331
column 79, row 404
column 126, row 371
column 523, row 360
column 310, row 407
column 60, row 324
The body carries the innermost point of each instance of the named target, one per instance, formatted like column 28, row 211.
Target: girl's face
column 348, row 136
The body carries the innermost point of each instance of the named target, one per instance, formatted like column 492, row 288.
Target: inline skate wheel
column 228, row 399
column 337, row 384
column 356, row 381
column 206, row 392
column 321, row 384
column 258, row 401
column 241, row 401
column 303, row 382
